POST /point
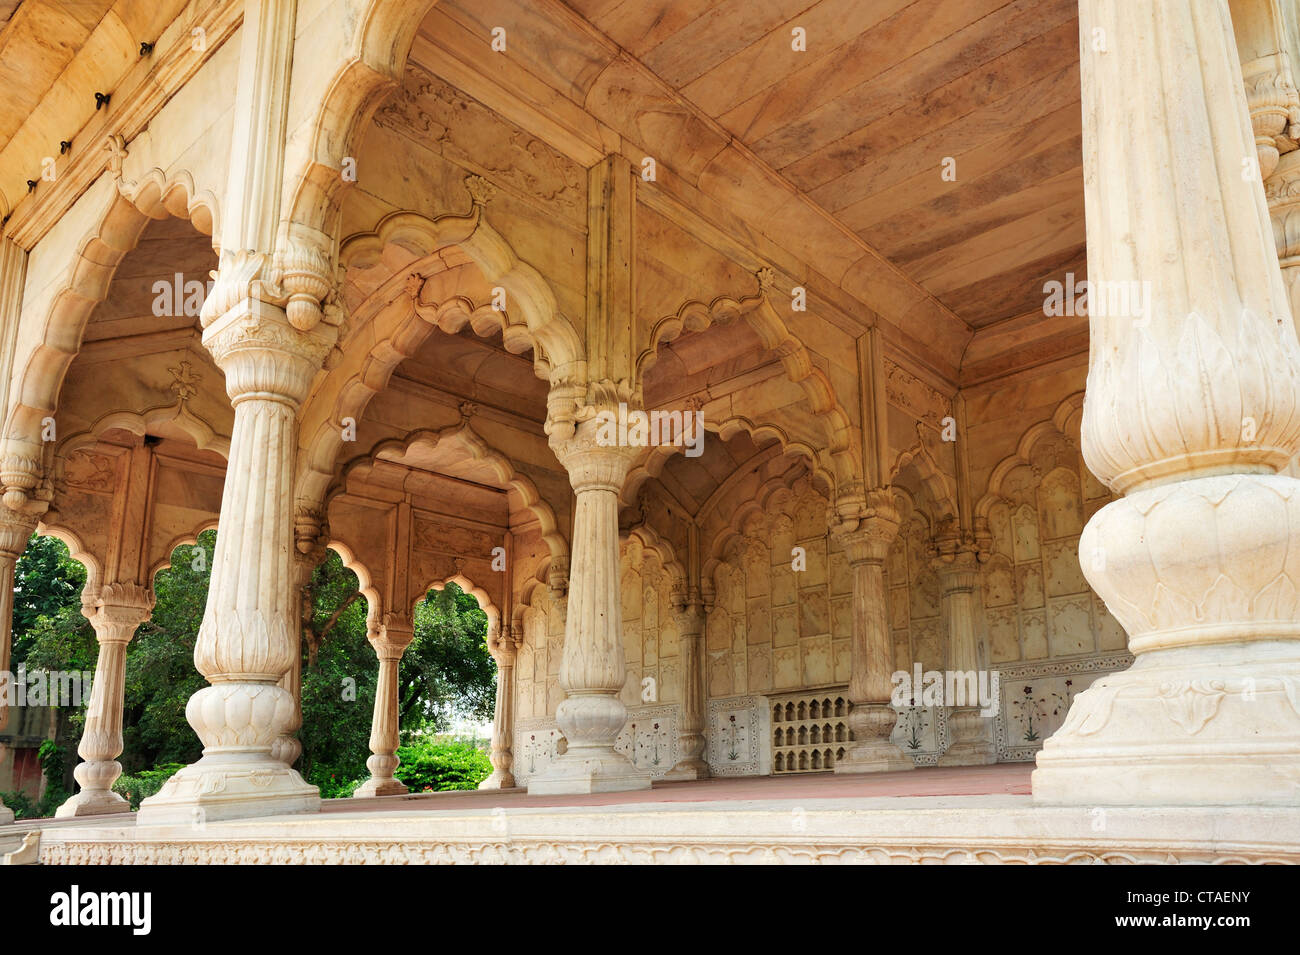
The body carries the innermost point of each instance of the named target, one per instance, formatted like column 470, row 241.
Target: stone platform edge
column 921, row 830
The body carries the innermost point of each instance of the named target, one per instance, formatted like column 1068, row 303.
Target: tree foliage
column 446, row 672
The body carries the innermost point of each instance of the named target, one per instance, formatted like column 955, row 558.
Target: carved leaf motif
column 1091, row 710
column 1193, row 703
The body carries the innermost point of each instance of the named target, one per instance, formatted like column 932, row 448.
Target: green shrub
column 333, row 781
column 439, row 765
column 144, row 784
column 21, row 804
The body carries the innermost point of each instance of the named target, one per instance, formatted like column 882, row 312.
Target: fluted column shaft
column 504, row 651
column 119, row 610
column 1192, row 409
column 592, row 667
column 690, row 625
column 866, row 539
column 389, row 643
column 247, row 640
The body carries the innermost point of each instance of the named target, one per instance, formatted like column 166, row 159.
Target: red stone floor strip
column 998, row 779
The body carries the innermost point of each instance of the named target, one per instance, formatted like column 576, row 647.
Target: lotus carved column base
column 972, row 739
column 871, row 751
column 690, row 768
column 1205, row 577
column 590, row 723
column 381, row 781
column 95, row 797
column 237, row 777
column 500, row 779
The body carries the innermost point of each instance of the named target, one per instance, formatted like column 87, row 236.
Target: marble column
column 867, row 536
column 309, row 552
column 248, row 637
column 390, row 641
column 690, row 650
column 1192, row 411
column 118, row 610
column 1265, row 33
column 15, row 530
column 504, row 650
column 592, row 668
column 970, row 732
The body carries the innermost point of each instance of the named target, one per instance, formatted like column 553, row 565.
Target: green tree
column 447, row 671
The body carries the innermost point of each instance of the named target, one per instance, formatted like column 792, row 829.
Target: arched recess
column 1064, row 422
column 59, row 325
column 436, row 273
column 465, row 439
column 844, row 460
column 370, row 66
column 645, row 539
column 773, row 491
column 940, row 486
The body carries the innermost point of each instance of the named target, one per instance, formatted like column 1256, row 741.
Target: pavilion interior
column 839, row 263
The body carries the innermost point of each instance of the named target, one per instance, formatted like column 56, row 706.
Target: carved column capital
column 263, row 356
column 866, row 526
column 392, row 635
column 119, row 608
column 591, row 460
column 503, row 643
column 1274, row 108
column 27, row 491
column 16, row 529
column 957, row 562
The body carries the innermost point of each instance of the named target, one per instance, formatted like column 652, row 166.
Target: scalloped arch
column 478, row 593
column 204, row 436
column 776, row 489
column 365, row 581
column 556, row 343
column 479, row 450
column 942, row 487
column 652, row 462
column 1059, row 423
column 648, row 540
column 180, row 540
column 78, row 552
column 795, row 358
column 115, row 230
